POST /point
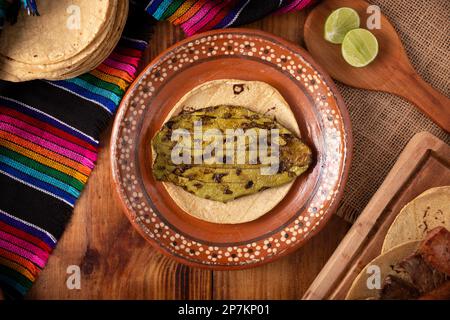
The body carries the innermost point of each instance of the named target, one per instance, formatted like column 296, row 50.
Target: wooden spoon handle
column 414, row 89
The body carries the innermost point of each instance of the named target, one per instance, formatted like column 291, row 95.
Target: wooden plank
column 424, row 163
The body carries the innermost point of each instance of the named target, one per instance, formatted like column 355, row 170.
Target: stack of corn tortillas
column 428, row 211
column 69, row 38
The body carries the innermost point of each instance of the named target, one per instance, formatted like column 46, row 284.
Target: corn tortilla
column 429, row 210
column 258, row 97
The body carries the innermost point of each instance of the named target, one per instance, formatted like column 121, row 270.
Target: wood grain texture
column 391, row 71
column 424, row 164
column 117, row 263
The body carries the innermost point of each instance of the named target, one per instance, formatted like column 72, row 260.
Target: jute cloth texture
column 384, row 123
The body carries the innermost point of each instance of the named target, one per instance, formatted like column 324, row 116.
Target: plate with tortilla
column 231, row 149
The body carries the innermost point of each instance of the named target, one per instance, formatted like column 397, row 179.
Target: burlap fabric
column 383, row 123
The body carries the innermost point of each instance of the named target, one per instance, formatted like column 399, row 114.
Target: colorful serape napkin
column 196, row 16
column 49, row 131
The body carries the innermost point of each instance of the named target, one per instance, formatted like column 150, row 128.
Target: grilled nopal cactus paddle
column 229, row 178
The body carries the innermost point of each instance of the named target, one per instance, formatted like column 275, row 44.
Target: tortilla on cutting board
column 84, row 61
column 258, row 97
column 360, row 290
column 429, row 210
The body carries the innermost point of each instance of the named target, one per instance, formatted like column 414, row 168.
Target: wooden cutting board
column 423, row 164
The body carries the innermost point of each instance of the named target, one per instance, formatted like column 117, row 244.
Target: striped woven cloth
column 196, row 16
column 10, row 8
column 49, row 131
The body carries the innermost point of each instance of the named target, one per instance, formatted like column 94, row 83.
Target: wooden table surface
column 117, row 263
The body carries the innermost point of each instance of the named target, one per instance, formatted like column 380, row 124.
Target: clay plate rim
column 348, row 155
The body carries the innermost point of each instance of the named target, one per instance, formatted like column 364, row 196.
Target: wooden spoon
column 391, row 71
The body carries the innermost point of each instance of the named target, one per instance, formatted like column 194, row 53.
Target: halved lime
column 339, row 22
column 360, row 47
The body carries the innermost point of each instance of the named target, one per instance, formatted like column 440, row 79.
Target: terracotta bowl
column 231, row 54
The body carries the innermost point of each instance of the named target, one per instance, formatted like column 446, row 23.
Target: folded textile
column 49, row 135
column 49, row 131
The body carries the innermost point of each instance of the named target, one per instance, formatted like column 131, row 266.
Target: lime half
column 339, row 22
column 360, row 47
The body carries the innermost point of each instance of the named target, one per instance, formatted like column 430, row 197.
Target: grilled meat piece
column 395, row 288
column 424, row 277
column 440, row 293
column 435, row 249
column 424, row 273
